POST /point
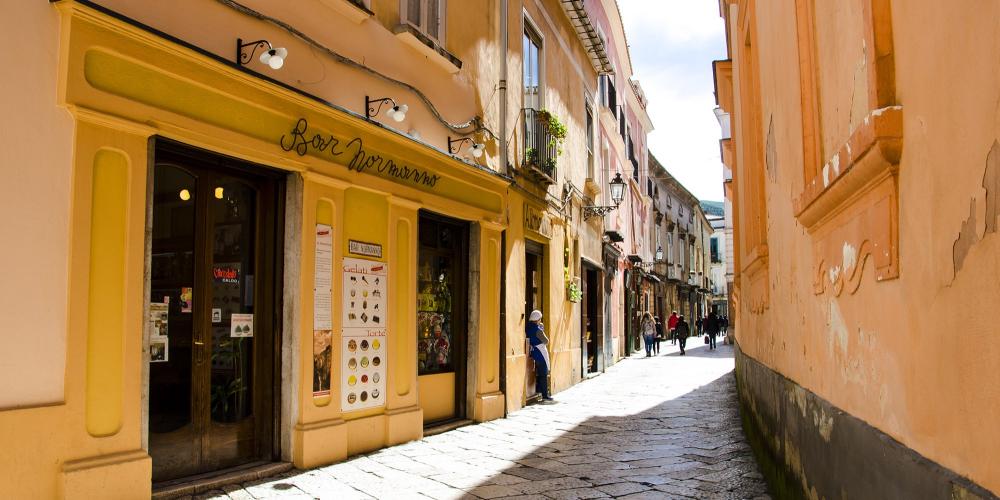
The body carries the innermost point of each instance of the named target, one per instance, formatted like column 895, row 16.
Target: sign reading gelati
column 537, row 221
column 354, row 154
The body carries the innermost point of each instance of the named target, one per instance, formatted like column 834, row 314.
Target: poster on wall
column 323, row 311
column 363, row 349
column 158, row 330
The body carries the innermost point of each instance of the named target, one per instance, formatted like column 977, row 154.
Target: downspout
column 503, row 87
column 503, row 234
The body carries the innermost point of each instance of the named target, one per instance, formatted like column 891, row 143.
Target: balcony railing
column 540, row 149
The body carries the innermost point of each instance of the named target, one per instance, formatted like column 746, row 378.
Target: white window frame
column 528, row 24
column 422, row 27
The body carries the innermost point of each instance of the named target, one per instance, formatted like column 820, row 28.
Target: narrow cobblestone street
column 661, row 427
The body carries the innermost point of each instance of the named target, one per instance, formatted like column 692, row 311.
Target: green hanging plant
column 573, row 292
column 557, row 130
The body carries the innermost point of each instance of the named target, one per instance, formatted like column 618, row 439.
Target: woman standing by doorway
column 539, row 352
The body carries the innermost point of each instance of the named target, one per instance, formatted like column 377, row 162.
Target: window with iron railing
column 540, row 148
column 427, row 16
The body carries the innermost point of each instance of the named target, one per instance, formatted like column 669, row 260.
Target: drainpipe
column 503, row 87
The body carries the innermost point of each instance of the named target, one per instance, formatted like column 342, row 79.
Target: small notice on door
column 159, row 343
column 241, row 325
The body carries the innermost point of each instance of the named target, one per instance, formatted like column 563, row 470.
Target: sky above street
column 673, row 44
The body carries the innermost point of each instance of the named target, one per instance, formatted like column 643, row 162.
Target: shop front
column 259, row 276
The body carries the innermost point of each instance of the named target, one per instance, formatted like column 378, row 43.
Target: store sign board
column 366, row 249
column 353, row 154
column 537, row 221
column 363, row 341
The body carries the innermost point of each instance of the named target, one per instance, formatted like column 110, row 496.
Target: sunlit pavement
column 660, row 427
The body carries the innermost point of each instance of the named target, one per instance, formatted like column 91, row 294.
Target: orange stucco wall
column 914, row 355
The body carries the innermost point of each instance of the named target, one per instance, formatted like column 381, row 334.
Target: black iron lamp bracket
column 597, row 211
column 455, row 145
column 242, row 56
column 371, row 110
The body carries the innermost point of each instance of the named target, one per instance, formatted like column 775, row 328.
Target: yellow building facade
column 227, row 259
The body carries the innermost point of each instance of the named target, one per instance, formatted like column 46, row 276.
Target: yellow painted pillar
column 105, row 354
column 489, row 401
column 405, row 418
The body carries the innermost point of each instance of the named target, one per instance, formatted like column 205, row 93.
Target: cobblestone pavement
column 660, row 427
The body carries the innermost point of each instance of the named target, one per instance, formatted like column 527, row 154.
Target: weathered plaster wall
column 913, row 357
column 808, row 448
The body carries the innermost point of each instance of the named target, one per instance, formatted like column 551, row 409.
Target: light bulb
column 218, row 192
column 185, row 194
column 276, row 62
column 477, row 150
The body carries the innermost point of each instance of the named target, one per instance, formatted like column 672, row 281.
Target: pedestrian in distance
column 535, row 334
column 659, row 335
column 682, row 330
column 671, row 324
column 648, row 329
column 712, row 329
column 725, row 325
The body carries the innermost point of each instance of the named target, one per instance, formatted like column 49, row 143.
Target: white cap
column 535, row 315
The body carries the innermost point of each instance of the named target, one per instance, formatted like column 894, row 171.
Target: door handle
column 198, row 343
column 199, row 354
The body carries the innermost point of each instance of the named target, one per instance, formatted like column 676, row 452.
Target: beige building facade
column 863, row 156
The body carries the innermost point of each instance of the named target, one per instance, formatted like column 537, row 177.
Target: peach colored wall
column 915, row 356
column 36, row 166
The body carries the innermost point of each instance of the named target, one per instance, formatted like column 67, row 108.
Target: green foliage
column 573, row 292
column 557, row 130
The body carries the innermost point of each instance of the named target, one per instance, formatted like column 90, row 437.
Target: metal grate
column 539, row 146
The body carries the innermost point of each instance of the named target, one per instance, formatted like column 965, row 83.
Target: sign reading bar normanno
column 354, row 154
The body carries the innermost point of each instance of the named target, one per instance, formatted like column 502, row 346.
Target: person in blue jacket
column 539, row 352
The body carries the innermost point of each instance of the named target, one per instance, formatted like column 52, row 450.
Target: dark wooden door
column 215, row 263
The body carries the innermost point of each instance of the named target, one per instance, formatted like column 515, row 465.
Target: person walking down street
column 712, row 329
column 535, row 334
column 659, row 335
column 648, row 329
column 671, row 324
column 682, row 330
column 725, row 325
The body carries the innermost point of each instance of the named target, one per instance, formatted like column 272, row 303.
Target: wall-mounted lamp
column 475, row 149
column 617, row 195
column 659, row 253
column 272, row 56
column 396, row 112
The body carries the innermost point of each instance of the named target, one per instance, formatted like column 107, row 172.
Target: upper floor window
column 427, row 16
column 532, row 53
column 590, row 140
column 715, row 249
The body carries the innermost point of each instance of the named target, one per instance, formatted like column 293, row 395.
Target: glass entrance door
column 442, row 324
column 211, row 295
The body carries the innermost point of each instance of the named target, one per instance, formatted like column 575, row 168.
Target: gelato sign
column 353, row 153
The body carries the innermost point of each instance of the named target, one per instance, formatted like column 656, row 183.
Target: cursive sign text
column 299, row 140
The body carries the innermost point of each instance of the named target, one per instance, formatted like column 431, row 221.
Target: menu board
column 363, row 350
